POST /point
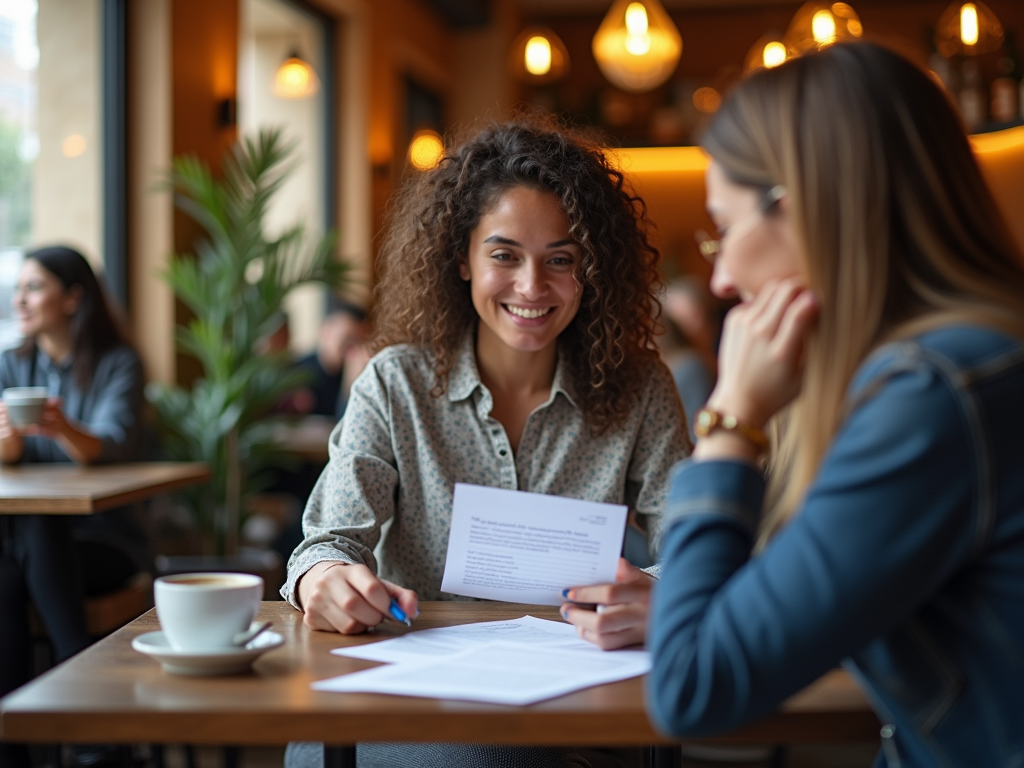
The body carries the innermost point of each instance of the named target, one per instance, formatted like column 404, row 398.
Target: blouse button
column 502, row 452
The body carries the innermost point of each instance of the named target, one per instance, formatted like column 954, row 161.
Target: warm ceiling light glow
column 968, row 24
column 637, row 46
column 538, row 55
column 707, row 100
column 295, row 79
column 73, row 145
column 766, row 53
column 426, row 150
column 823, row 27
column 638, row 42
column 818, row 24
column 968, row 28
column 774, row 54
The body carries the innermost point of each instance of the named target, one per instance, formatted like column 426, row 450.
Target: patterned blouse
column 399, row 452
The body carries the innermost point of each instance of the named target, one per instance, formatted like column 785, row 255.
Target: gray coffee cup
column 24, row 404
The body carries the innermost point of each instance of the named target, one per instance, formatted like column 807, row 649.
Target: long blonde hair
column 898, row 230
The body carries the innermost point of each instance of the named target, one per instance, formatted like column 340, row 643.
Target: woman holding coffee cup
column 75, row 352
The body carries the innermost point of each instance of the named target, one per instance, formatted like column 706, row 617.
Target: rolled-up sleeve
column 355, row 495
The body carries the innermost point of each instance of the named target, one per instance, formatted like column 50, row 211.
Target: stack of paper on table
column 501, row 662
column 518, row 547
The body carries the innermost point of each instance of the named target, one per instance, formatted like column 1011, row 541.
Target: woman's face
column 40, row 301
column 520, row 265
column 755, row 247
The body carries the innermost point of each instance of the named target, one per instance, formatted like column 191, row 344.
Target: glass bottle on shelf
column 1006, row 87
column 970, row 97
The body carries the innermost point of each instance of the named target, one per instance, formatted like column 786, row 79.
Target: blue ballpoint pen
column 398, row 614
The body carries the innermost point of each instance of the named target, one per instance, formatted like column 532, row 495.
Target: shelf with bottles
column 987, row 89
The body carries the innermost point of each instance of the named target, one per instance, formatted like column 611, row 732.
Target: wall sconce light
column 766, row 53
column 227, row 113
column 295, row 79
column 968, row 28
column 818, row 25
column 425, row 150
column 637, row 46
column 538, row 56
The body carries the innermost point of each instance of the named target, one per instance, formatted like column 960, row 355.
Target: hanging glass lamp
column 637, row 46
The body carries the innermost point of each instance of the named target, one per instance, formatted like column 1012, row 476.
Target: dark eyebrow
column 509, row 241
column 502, row 240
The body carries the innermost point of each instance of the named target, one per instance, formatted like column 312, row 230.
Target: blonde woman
column 881, row 316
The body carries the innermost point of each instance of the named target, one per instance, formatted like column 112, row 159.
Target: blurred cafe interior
column 98, row 98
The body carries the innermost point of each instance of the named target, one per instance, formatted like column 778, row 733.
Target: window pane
column 272, row 31
column 50, row 140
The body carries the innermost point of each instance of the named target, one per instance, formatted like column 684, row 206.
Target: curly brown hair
column 420, row 298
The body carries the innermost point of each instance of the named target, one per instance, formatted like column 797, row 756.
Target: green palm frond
column 234, row 284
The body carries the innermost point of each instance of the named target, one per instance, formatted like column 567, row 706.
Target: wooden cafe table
column 73, row 489
column 112, row 694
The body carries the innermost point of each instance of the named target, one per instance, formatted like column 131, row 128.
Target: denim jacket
column 905, row 563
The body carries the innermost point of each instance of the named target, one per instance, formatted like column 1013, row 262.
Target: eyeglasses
column 711, row 247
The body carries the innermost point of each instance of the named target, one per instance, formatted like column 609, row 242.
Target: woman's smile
column 521, row 270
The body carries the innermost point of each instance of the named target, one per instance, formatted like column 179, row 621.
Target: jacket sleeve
column 355, row 495
column 884, row 523
column 116, row 417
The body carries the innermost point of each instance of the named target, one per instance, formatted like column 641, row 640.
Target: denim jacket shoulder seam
column 909, row 356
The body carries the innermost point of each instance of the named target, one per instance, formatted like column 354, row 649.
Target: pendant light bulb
column 295, row 79
column 538, row 56
column 637, row 46
column 767, row 53
column 968, row 29
column 819, row 24
column 968, row 24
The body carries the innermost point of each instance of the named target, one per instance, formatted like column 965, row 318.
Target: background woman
column 881, row 319
column 74, row 348
column 514, row 318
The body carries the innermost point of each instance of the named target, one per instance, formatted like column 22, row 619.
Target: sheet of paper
column 527, row 632
column 498, row 673
column 527, row 547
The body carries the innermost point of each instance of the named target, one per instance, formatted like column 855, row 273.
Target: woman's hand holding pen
column 347, row 598
column 621, row 616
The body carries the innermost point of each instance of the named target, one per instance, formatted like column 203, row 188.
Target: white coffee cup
column 205, row 611
column 24, row 404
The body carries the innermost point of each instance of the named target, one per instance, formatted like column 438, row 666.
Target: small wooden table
column 112, row 694
column 305, row 437
column 72, row 489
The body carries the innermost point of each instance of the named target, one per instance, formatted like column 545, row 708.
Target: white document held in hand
column 527, row 547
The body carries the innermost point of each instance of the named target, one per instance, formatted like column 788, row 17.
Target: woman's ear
column 464, row 269
column 72, row 300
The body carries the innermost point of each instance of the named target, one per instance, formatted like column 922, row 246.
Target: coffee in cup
column 206, row 611
column 24, row 404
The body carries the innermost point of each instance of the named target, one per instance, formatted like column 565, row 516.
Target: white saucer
column 229, row 661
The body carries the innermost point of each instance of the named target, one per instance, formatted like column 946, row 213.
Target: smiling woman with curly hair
column 514, row 318
column 423, row 300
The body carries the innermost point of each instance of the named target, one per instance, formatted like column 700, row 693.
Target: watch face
column 706, row 421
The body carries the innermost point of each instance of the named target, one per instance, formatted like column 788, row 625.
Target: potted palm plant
column 234, row 285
